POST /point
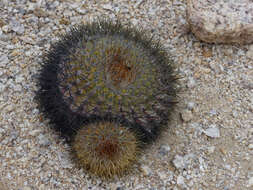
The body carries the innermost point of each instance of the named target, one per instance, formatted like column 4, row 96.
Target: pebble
column 250, row 146
column 190, row 105
column 107, row 7
column 186, row 115
column 249, row 53
column 181, row 162
column 64, row 160
column 5, row 28
column 17, row 26
column 162, row 175
column 43, row 140
column 27, row 188
column 82, row 11
column 191, row 83
column 4, row 60
column 164, row 150
column 146, row 170
column 250, row 182
column 212, row 131
column 210, row 149
column 34, row 132
column 115, row 186
column 180, row 180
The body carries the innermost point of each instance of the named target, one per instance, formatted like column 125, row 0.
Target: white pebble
column 146, row 170
column 250, row 182
column 212, row 131
column 250, row 146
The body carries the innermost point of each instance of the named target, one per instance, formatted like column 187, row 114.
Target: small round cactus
column 106, row 70
column 106, row 148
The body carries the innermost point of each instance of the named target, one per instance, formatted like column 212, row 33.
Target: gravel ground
column 209, row 144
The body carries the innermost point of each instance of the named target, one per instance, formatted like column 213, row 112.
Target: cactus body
column 103, row 78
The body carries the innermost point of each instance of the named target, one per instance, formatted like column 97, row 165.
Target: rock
column 64, row 160
column 249, row 53
column 179, row 162
column 2, row 23
column 210, row 149
column 190, row 105
column 182, row 162
column 186, row 115
column 17, row 27
column 5, row 28
column 250, row 182
column 26, row 188
column 164, row 150
column 44, row 141
column 162, row 175
column 250, row 146
column 4, row 60
column 64, row 21
column 212, row 131
column 34, row 132
column 146, row 170
column 180, row 181
column 191, row 83
column 221, row 21
column 81, row 11
column 116, row 187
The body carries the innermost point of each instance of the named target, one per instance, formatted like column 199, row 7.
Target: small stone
column 107, row 7
column 64, row 160
column 250, row 146
column 27, row 188
column 186, row 115
column 210, row 149
column 212, row 131
column 81, row 11
column 44, row 141
column 4, row 60
column 162, row 175
column 182, row 162
column 2, row 23
column 250, row 182
column 42, row 187
column 34, row 132
column 17, row 27
column 213, row 112
column 64, row 21
column 4, row 37
column 146, row 170
column 164, row 150
column 179, row 162
column 249, row 53
column 190, row 105
column 5, row 28
column 207, row 53
column 115, row 187
column 39, row 12
column 180, row 180
column 191, row 83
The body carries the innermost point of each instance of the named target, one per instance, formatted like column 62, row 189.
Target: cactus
column 105, row 148
column 106, row 70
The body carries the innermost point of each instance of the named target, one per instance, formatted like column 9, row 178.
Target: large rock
column 221, row 21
